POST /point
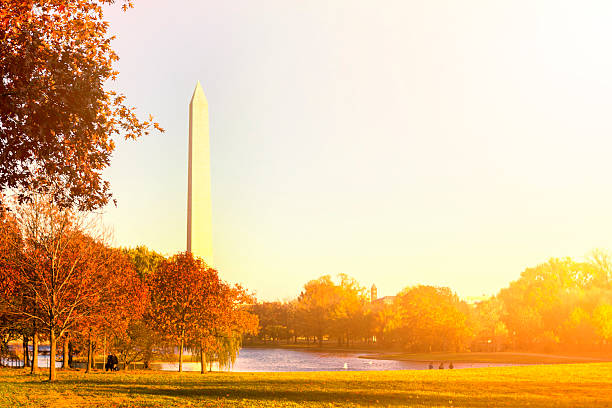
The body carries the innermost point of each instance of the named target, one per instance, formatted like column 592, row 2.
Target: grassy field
column 572, row 385
column 498, row 357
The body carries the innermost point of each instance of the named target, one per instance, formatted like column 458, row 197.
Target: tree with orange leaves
column 219, row 329
column 123, row 301
column 138, row 341
column 429, row 318
column 191, row 305
column 57, row 121
column 317, row 306
column 180, row 290
column 62, row 278
column 10, row 245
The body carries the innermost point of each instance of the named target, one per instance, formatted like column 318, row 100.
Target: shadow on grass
column 348, row 397
column 371, row 392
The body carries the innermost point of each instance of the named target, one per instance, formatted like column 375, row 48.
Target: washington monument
column 199, row 208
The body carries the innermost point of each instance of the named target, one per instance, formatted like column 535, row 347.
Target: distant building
column 377, row 304
column 387, row 300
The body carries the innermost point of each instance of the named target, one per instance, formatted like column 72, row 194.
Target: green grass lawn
column 498, row 357
column 570, row 385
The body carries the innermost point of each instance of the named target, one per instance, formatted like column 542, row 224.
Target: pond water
column 43, row 362
column 277, row 359
column 43, row 358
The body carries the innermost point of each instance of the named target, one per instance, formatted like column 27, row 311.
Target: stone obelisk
column 199, row 208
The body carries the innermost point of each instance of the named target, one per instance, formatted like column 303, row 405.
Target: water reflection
column 43, row 362
column 282, row 360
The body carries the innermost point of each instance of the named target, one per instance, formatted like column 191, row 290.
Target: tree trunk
column 89, row 355
column 147, row 357
column 34, row 354
column 202, row 359
column 93, row 354
column 181, row 354
column 69, row 354
column 26, row 351
column 66, row 357
column 52, row 355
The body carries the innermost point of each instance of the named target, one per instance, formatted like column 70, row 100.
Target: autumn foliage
column 428, row 318
column 191, row 305
column 560, row 305
column 58, row 122
column 60, row 281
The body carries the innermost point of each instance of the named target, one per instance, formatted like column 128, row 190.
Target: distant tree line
column 561, row 305
column 61, row 284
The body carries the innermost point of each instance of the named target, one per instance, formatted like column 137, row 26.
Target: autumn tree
column 219, row 329
column 602, row 320
column 133, row 344
column 273, row 320
column 490, row 332
column 601, row 262
column 12, row 326
column 429, row 318
column 559, row 304
column 68, row 276
column 58, row 119
column 144, row 260
column 317, row 306
column 137, row 342
column 180, row 290
column 382, row 318
column 191, row 305
column 349, row 319
column 123, row 303
column 9, row 327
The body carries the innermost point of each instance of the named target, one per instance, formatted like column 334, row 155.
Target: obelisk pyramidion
column 199, row 208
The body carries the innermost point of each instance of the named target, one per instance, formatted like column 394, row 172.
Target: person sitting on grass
column 112, row 363
column 431, row 365
column 109, row 363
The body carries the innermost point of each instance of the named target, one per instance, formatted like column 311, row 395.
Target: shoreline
column 500, row 357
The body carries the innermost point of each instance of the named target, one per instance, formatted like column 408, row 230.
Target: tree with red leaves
column 10, row 245
column 58, row 122
column 123, row 302
column 71, row 279
column 191, row 305
column 219, row 329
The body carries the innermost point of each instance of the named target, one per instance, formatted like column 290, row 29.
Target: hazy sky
column 400, row 142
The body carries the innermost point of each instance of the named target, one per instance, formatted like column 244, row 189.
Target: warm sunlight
column 305, row 203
